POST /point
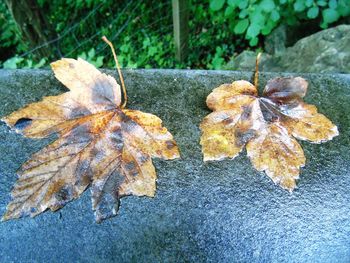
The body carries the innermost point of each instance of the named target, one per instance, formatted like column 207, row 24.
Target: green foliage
column 154, row 52
column 256, row 18
column 19, row 62
column 90, row 57
column 142, row 30
column 217, row 61
column 12, row 63
column 217, row 4
column 9, row 34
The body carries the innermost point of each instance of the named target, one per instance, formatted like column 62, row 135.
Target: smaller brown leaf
column 265, row 125
column 285, row 90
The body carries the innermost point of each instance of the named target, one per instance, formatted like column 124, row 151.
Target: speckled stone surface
column 215, row 212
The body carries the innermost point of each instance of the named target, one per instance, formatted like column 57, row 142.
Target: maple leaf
column 266, row 125
column 100, row 144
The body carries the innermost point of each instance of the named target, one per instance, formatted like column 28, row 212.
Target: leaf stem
column 119, row 71
column 256, row 75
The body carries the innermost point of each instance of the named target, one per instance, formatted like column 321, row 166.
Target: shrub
column 142, row 30
column 253, row 18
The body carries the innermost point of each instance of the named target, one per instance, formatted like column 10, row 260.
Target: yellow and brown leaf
column 99, row 145
column 265, row 126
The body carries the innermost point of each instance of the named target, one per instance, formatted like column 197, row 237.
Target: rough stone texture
column 245, row 61
column 215, row 212
column 276, row 41
column 285, row 36
column 327, row 51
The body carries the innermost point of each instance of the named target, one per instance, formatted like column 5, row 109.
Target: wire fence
column 116, row 21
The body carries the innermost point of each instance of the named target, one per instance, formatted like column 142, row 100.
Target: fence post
column 180, row 22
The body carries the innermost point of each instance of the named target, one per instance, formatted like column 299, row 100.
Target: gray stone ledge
column 215, row 212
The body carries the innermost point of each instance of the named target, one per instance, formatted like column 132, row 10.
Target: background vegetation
column 142, row 30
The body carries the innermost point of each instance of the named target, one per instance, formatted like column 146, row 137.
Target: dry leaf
column 99, row 144
column 265, row 125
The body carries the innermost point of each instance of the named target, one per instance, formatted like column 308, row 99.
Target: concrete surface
column 215, row 212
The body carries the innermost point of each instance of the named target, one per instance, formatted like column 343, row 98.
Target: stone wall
column 214, row 212
column 327, row 51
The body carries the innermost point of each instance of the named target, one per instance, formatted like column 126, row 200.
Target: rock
column 285, row 36
column 327, row 51
column 245, row 61
column 214, row 212
column 275, row 42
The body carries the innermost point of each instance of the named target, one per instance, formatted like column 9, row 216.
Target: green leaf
column 146, row 42
column 253, row 30
column 233, row 3
column 229, row 11
column 253, row 42
column 283, row 2
column 29, row 64
column 132, row 65
column 323, row 25
column 299, row 6
column 330, row 15
column 309, row 3
column 216, row 5
column 152, row 51
column 243, row 4
column 344, row 7
column 98, row 62
column 91, row 53
column 333, row 4
column 275, row 16
column 257, row 17
column 267, row 5
column 268, row 27
column 217, row 61
column 243, row 13
column 82, row 55
column 241, row 26
column 321, row 3
column 125, row 48
column 313, row 12
column 41, row 63
column 11, row 63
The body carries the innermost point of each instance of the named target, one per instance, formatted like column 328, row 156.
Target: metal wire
column 128, row 17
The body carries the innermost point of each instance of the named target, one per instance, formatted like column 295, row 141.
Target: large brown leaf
column 265, row 125
column 99, row 144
